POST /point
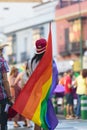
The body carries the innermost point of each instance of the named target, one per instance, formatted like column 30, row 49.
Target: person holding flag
column 36, row 95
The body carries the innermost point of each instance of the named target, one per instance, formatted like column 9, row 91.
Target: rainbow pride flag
column 34, row 101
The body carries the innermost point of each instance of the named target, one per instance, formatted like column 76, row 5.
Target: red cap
column 41, row 46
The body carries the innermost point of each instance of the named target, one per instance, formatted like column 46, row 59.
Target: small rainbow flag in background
column 34, row 100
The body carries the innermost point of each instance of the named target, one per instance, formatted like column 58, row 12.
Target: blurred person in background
column 5, row 95
column 69, row 95
column 22, row 79
column 81, row 89
column 59, row 91
column 15, row 90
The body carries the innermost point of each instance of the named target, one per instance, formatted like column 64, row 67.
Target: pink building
column 71, row 24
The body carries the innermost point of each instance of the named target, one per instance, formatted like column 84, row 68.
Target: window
column 23, row 56
column 38, row 33
column 12, row 59
column 66, row 39
column 14, row 43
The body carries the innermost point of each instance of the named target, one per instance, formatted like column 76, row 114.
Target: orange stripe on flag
column 36, row 94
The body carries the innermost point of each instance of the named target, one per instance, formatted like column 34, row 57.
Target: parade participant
column 15, row 90
column 81, row 89
column 22, row 79
column 5, row 95
column 36, row 59
column 40, row 50
column 69, row 95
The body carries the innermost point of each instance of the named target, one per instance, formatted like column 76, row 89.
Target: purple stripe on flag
column 54, row 78
column 51, row 119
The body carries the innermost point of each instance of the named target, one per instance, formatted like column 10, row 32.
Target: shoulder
column 79, row 77
column 20, row 74
column 2, row 59
column 67, row 78
column 29, row 63
column 32, row 66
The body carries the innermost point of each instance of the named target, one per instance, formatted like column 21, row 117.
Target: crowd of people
column 12, row 84
column 72, row 87
column 17, row 81
column 10, row 87
column 68, row 87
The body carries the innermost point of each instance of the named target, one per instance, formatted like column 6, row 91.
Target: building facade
column 71, row 25
column 22, row 36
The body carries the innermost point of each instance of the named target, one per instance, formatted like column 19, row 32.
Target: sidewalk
column 63, row 125
column 72, row 125
column 11, row 127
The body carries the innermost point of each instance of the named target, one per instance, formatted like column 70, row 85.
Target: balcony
column 65, row 3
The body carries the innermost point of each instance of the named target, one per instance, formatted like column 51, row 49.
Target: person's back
column 40, row 50
column 81, row 85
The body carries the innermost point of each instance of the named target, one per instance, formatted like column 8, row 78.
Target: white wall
column 43, row 14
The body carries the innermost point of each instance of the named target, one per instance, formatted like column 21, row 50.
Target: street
column 63, row 125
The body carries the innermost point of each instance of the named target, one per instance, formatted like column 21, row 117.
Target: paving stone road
column 63, row 125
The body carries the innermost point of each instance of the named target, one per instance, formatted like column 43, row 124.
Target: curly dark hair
column 84, row 73
column 37, row 57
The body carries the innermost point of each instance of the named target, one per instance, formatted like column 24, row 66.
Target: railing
column 65, row 3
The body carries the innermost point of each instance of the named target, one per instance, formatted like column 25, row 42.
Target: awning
column 63, row 66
